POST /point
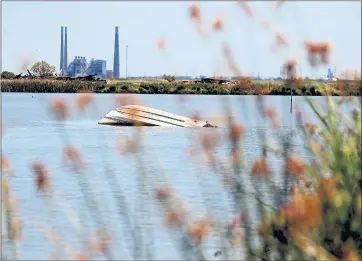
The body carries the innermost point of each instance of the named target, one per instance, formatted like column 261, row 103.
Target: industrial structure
column 79, row 67
column 109, row 74
column 116, row 55
column 98, row 68
column 330, row 74
column 63, row 51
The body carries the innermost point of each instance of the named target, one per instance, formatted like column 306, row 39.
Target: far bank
column 310, row 88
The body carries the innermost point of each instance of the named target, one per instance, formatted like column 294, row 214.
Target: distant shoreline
column 310, row 88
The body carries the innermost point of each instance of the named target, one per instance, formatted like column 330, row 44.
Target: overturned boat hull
column 131, row 115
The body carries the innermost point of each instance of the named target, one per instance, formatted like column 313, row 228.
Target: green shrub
column 7, row 75
column 164, row 87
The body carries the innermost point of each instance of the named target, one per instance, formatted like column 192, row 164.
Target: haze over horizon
column 31, row 32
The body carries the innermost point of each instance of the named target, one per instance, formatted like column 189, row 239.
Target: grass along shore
column 308, row 88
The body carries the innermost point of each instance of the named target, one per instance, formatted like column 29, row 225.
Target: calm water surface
column 31, row 134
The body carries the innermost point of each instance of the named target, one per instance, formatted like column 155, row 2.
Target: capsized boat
column 130, row 115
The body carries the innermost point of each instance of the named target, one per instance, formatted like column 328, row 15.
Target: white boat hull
column 131, row 115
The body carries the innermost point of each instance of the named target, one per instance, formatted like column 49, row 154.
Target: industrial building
column 109, row 74
column 79, row 66
column 97, row 68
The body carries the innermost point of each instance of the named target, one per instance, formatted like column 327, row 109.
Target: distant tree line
column 244, row 87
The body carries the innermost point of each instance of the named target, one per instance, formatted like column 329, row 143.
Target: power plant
column 79, row 67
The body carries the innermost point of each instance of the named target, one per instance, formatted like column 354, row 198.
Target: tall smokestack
column 116, row 55
column 66, row 51
column 61, row 51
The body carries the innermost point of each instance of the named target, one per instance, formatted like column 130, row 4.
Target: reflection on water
column 32, row 134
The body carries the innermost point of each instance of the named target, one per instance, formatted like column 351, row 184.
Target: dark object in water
column 218, row 253
column 131, row 115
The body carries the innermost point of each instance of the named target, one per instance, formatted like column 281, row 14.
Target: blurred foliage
column 315, row 213
column 322, row 218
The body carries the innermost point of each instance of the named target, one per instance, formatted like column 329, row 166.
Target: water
column 31, row 133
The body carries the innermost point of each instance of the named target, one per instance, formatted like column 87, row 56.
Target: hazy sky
column 31, row 31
